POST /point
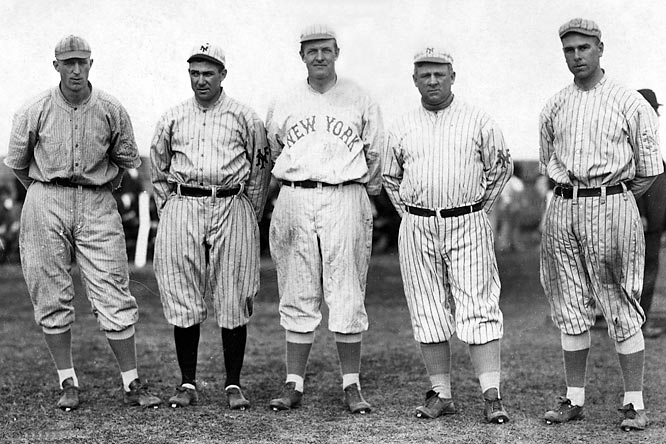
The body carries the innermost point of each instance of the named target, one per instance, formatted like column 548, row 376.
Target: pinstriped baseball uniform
column 320, row 239
column 84, row 144
column 209, row 245
column 593, row 247
column 447, row 159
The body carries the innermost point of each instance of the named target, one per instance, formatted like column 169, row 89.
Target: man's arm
column 393, row 172
column 640, row 185
column 259, row 155
column 160, row 163
column 373, row 142
column 497, row 163
column 23, row 176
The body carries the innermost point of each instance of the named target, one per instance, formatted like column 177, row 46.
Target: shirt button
column 76, row 164
column 77, row 145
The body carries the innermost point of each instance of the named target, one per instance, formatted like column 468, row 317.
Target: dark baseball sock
column 233, row 345
column 187, row 350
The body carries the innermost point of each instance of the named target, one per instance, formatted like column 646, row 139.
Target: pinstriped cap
column 208, row 52
column 317, row 32
column 72, row 47
column 433, row 54
column 580, row 26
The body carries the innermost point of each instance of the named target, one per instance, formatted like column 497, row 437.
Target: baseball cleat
column 70, row 396
column 236, row 399
column 290, row 398
column 184, row 397
column 564, row 412
column 435, row 406
column 493, row 409
column 139, row 395
column 354, row 400
column 633, row 419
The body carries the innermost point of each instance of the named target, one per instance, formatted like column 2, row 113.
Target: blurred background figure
column 508, row 211
column 10, row 214
column 652, row 207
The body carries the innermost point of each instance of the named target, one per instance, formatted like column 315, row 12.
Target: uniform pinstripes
column 451, row 260
column 447, row 159
column 209, row 246
column 320, row 241
column 603, row 136
column 223, row 146
column 87, row 143
column 62, row 223
column 593, row 253
column 200, row 252
column 593, row 248
column 455, row 157
column 332, row 137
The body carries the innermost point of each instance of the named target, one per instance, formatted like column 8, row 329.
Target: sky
column 507, row 54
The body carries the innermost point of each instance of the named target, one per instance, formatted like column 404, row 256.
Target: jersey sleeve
column 22, row 140
column 123, row 149
column 497, row 163
column 259, row 155
column 392, row 162
column 160, row 162
column 644, row 139
column 373, row 141
column 273, row 131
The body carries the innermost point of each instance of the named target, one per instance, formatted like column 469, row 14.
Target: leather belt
column 568, row 192
column 449, row 212
column 63, row 182
column 208, row 192
column 315, row 184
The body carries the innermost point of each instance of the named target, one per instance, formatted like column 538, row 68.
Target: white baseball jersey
column 440, row 160
column 321, row 238
column 209, row 245
column 593, row 247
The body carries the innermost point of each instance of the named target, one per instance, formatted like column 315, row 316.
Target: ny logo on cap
column 204, row 48
column 430, row 51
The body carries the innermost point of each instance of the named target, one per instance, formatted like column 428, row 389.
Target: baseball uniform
column 599, row 144
column 208, row 245
column 593, row 247
column 325, row 136
column 69, row 147
column 321, row 237
column 445, row 164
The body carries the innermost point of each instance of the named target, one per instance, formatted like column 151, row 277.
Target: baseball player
column 325, row 136
column 69, row 147
column 210, row 168
column 652, row 208
column 445, row 164
column 599, row 143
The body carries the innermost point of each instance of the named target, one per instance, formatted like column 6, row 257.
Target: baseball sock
column 631, row 354
column 187, row 351
column 124, row 348
column 437, row 360
column 349, row 354
column 575, row 350
column 298, row 352
column 60, row 347
column 68, row 373
column 486, row 361
column 233, row 345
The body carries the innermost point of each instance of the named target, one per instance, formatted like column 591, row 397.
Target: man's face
column 319, row 57
column 434, row 81
column 582, row 53
column 73, row 74
column 206, row 80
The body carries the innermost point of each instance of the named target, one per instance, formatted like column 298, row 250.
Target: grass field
column 393, row 376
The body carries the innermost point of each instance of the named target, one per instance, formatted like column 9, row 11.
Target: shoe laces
column 629, row 411
column 495, row 404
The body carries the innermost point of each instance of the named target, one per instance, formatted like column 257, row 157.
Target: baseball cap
column 651, row 97
column 206, row 51
column 317, row 32
column 580, row 26
column 433, row 54
column 72, row 47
